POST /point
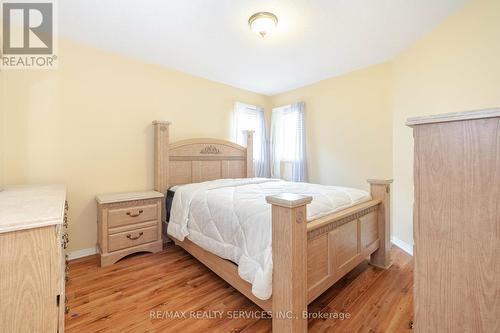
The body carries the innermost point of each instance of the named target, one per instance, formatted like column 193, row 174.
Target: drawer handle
column 135, row 215
column 129, row 236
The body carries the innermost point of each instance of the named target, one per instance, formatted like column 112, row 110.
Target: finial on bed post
column 161, row 155
column 250, row 170
column 289, row 233
column 381, row 190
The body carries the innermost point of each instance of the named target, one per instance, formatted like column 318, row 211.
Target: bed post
column 289, row 230
column 381, row 190
column 161, row 155
column 250, row 170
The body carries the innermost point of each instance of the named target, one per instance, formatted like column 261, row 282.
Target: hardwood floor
column 154, row 292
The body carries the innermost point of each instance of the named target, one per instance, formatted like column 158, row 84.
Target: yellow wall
column 88, row 125
column 456, row 67
column 348, row 125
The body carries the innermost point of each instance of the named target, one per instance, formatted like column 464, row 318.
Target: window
column 250, row 117
column 288, row 146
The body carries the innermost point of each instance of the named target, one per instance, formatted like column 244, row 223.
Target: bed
column 309, row 252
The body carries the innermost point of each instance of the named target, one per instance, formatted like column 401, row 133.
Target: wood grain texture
column 344, row 233
column 198, row 160
column 457, row 226
column 369, row 229
column 289, row 242
column 344, row 215
column 318, row 260
column 205, row 170
column 234, row 169
column 249, row 154
column 132, row 238
column 110, row 258
column 381, row 190
column 455, row 116
column 131, row 215
column 119, row 298
column 32, row 260
column 30, row 280
column 161, row 155
column 346, row 244
column 323, row 266
column 226, row 269
column 129, row 226
column 196, row 148
column 340, row 249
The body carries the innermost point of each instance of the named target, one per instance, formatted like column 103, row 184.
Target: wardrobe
column 457, row 222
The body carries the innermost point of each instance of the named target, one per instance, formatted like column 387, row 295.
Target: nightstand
column 128, row 223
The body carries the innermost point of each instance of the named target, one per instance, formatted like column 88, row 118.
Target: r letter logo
column 28, row 35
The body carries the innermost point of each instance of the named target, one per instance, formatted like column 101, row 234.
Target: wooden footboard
column 309, row 258
column 329, row 247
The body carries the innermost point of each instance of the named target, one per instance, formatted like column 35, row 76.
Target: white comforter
column 231, row 218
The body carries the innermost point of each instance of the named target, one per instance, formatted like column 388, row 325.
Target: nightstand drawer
column 131, row 238
column 131, row 215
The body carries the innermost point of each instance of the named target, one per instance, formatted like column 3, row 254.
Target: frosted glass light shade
column 263, row 23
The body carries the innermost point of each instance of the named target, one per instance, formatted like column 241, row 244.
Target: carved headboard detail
column 197, row 160
column 210, row 149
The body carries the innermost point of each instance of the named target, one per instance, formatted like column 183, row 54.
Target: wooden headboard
column 198, row 160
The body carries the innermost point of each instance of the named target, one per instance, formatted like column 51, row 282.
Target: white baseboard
column 82, row 253
column 402, row 245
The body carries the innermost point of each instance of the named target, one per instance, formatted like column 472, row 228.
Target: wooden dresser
column 457, row 222
column 32, row 259
column 128, row 223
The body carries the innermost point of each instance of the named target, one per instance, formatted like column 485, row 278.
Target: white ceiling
column 316, row 39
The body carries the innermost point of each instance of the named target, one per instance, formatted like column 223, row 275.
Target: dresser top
column 127, row 196
column 26, row 207
column 456, row 116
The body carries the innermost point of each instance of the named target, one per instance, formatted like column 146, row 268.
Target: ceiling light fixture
column 263, row 23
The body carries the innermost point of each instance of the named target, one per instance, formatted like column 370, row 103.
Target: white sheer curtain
column 288, row 143
column 251, row 117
